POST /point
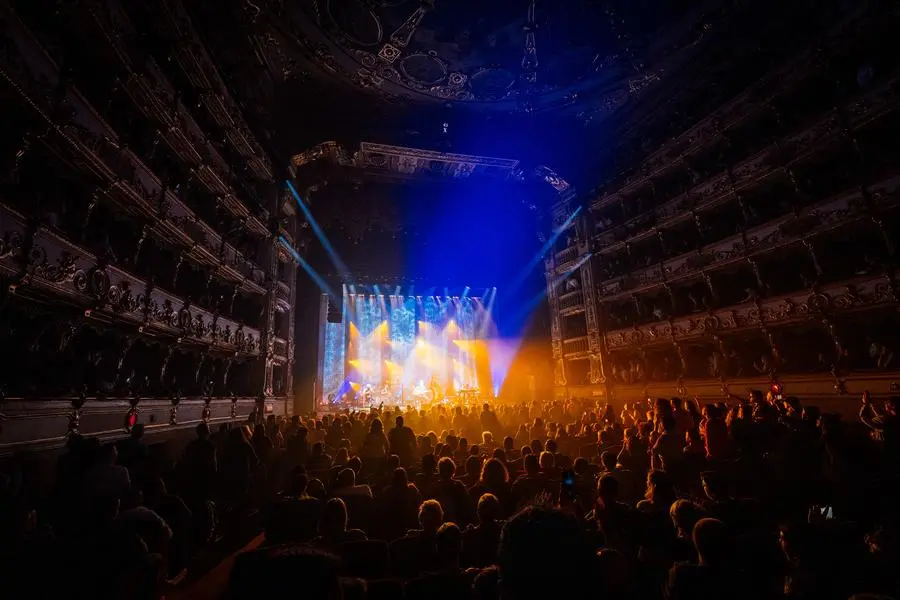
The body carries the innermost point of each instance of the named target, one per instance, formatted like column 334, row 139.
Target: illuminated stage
column 391, row 345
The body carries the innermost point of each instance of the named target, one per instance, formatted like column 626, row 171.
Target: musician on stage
column 435, row 387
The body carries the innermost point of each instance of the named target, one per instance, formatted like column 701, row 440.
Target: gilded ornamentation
column 10, row 244
column 63, row 271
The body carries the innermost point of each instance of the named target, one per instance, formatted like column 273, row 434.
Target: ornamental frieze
column 789, row 149
column 56, row 265
column 787, row 229
column 789, row 308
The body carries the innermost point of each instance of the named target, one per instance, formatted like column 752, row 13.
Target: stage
column 393, row 346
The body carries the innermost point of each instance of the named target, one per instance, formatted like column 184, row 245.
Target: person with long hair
column 375, row 445
column 494, row 480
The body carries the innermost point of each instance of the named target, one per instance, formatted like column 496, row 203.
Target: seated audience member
column 333, row 527
column 452, row 494
column 529, row 485
column 494, row 480
column 543, row 551
column 417, row 551
column 295, row 517
column 480, row 541
column 146, row 523
column 177, row 516
column 614, row 576
column 472, row 472
column 399, row 506
column 712, row 576
column 684, row 515
column 613, row 519
column 447, row 582
column 106, row 478
column 319, row 461
column 427, row 478
column 346, row 487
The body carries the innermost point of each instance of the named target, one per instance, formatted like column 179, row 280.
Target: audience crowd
column 664, row 499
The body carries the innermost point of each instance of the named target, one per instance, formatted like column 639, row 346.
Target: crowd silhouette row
column 661, row 499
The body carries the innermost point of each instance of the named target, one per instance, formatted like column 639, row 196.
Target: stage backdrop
column 397, row 342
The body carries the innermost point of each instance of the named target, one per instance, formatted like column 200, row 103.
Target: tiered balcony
column 282, row 297
column 57, row 267
column 789, row 229
column 154, row 96
column 280, row 350
column 565, row 259
column 88, row 142
column 571, row 303
column 574, row 348
column 858, row 294
column 200, row 69
column 786, row 152
column 749, row 104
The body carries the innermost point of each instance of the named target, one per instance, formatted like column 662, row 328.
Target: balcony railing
column 853, row 295
column 750, row 102
column 788, row 229
column 575, row 346
column 155, row 97
column 792, row 148
column 564, row 257
column 282, row 296
column 202, row 73
column 64, row 269
column 130, row 183
column 571, row 302
column 280, row 349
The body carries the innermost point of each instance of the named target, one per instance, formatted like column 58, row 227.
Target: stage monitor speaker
column 335, row 311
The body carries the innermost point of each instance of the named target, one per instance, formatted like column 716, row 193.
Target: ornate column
column 591, row 315
column 289, row 368
column 263, row 370
column 559, row 365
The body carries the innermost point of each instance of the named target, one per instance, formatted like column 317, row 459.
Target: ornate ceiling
column 510, row 55
column 588, row 86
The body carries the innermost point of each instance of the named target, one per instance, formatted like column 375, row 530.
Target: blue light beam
column 338, row 263
column 520, row 279
column 309, row 270
column 530, row 305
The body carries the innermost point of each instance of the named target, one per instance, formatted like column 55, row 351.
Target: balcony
column 282, row 297
column 201, row 71
column 747, row 104
column 858, row 294
column 788, row 229
column 59, row 268
column 155, row 98
column 566, row 257
column 791, row 149
column 87, row 141
column 280, row 350
column 571, row 303
column 575, row 347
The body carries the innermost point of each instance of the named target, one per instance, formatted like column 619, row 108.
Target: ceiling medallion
column 424, row 67
column 389, row 53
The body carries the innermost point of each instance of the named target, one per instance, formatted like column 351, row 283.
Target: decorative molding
column 788, row 229
column 44, row 424
column 68, row 271
column 129, row 182
column 862, row 293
